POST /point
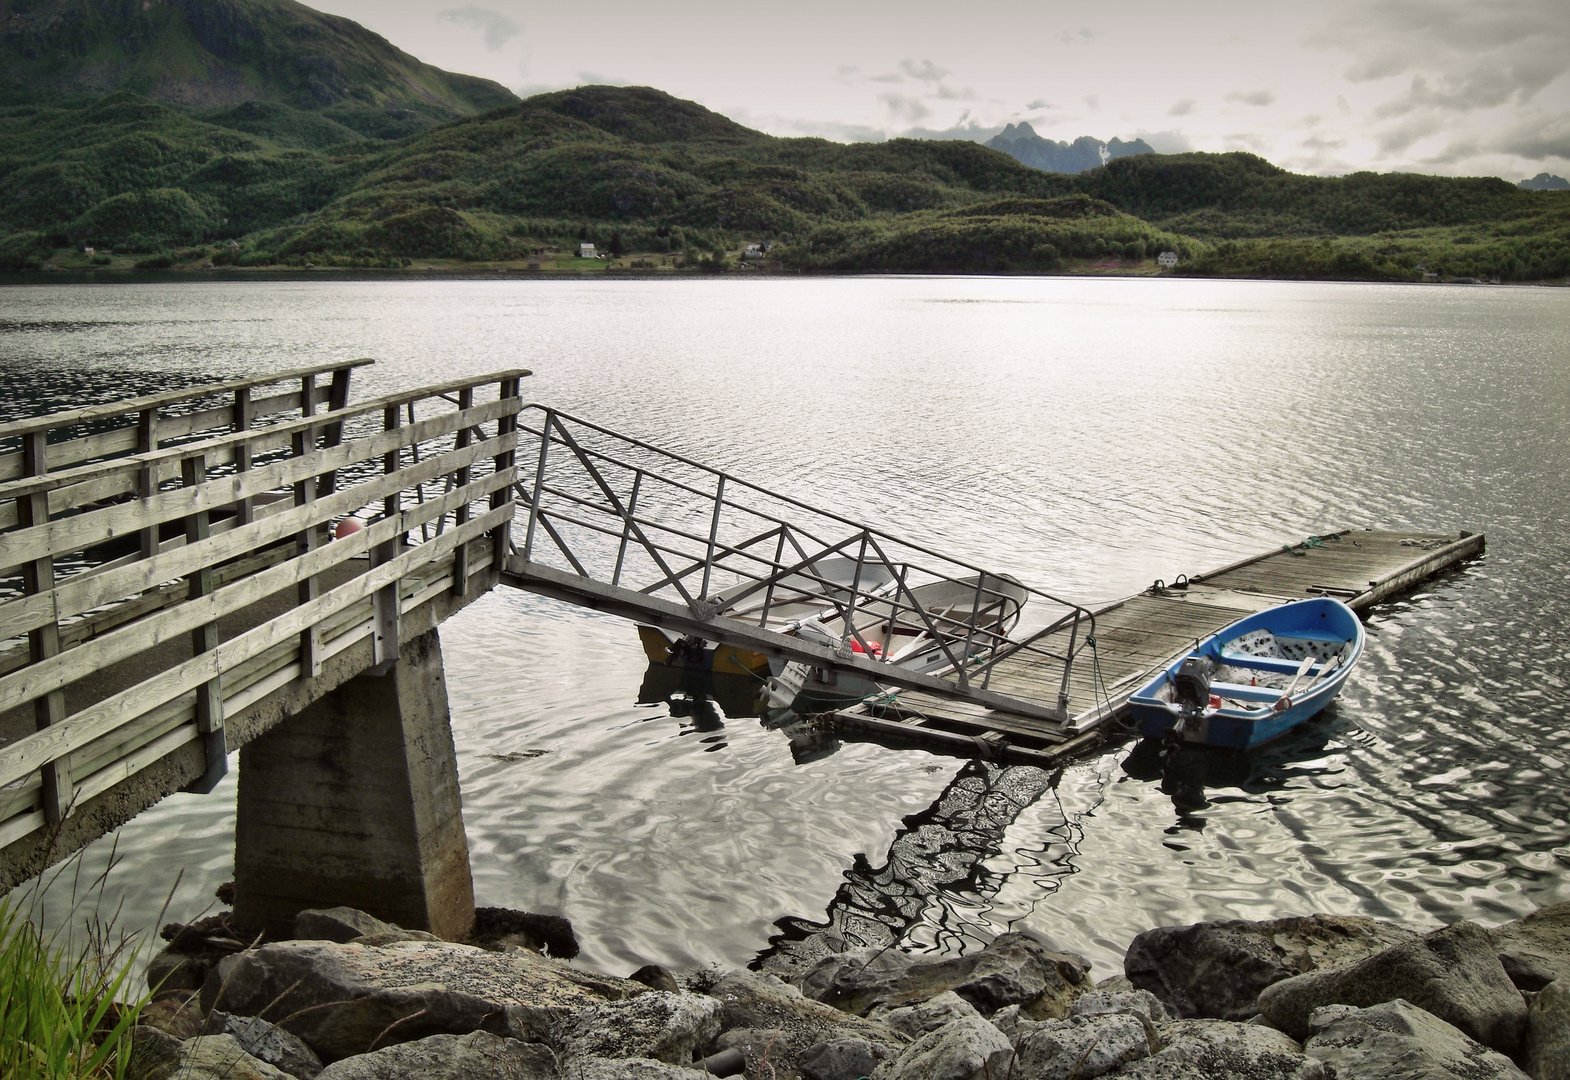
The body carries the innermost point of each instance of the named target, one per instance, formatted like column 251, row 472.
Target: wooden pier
column 1141, row 634
column 171, row 591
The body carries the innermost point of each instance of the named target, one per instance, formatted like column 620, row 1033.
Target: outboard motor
column 1191, row 684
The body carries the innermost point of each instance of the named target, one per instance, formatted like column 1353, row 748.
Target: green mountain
column 255, row 65
column 259, row 132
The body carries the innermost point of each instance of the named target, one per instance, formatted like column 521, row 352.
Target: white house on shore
column 586, row 251
column 1167, row 260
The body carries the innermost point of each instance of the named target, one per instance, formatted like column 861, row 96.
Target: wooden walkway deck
column 1139, row 635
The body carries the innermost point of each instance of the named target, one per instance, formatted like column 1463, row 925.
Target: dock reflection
column 938, row 854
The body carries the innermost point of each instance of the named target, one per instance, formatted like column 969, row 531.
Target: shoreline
column 1306, row 997
column 29, row 278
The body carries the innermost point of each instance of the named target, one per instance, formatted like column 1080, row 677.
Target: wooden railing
column 147, row 521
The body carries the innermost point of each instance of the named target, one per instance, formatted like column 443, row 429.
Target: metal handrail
column 732, row 479
column 686, row 529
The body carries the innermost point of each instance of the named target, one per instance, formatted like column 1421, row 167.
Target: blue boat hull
column 1266, row 648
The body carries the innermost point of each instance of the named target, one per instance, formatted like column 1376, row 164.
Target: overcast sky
column 1461, row 87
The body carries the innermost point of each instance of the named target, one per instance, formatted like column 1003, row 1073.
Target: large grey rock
column 342, row 999
column 171, row 970
column 1453, row 973
column 155, row 1054
column 914, row 1021
column 969, row 1048
column 842, row 1059
column 1013, row 969
column 478, row 1055
column 1546, row 1054
column 219, row 1057
column 179, row 1014
column 340, row 924
column 267, row 1042
column 1217, row 969
column 656, row 977
column 1535, row 951
column 1083, row 1048
column 1396, row 1040
column 657, row 1024
column 1138, row 1002
column 761, row 1014
column 1225, row 1050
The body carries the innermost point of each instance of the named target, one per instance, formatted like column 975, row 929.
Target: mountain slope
column 217, row 54
column 637, row 170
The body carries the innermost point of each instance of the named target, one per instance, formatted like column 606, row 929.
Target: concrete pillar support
column 355, row 801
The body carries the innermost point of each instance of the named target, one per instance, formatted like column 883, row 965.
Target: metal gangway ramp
column 619, row 525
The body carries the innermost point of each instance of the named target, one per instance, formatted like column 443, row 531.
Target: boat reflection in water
column 1186, row 771
column 706, row 698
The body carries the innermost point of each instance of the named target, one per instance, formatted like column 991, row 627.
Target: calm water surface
column 1085, row 435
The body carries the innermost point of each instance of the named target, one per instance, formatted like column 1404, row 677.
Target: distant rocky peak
column 1021, row 142
column 1022, row 130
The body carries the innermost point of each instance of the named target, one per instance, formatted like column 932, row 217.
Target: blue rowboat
column 1256, row 679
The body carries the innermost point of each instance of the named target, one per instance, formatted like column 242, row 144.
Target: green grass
column 66, row 1006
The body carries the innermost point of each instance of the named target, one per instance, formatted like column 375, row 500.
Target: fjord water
column 1087, row 436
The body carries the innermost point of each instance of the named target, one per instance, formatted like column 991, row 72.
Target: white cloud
column 496, row 28
column 904, row 107
column 924, row 70
column 1252, row 97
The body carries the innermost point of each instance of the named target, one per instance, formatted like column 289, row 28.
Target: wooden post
column 242, row 451
column 501, row 536
column 38, row 576
column 332, row 434
column 309, row 539
column 384, row 628
column 460, row 555
column 147, row 479
column 204, row 638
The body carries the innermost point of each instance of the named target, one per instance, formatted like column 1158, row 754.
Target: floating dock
column 1141, row 634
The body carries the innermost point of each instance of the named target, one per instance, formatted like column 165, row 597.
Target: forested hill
column 665, row 182
column 219, row 54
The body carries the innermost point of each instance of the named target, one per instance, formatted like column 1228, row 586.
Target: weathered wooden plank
column 86, row 591
column 204, row 639
column 204, row 608
column 43, row 641
column 90, row 413
column 35, row 750
column 385, row 636
column 222, row 416
column 219, row 446
column 94, row 527
column 131, row 437
column 309, row 538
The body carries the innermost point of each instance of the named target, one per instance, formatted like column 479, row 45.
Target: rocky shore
column 1313, row 997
